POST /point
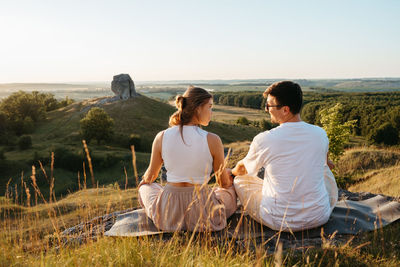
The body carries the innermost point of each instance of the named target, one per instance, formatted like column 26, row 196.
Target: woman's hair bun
column 180, row 102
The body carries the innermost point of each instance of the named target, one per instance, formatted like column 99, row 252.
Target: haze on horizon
column 70, row 41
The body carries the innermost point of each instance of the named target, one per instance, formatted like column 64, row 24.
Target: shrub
column 65, row 102
column 8, row 139
column 338, row 132
column 135, row 140
column 266, row 125
column 242, row 121
column 67, row 159
column 105, row 161
column 25, row 142
column 97, row 125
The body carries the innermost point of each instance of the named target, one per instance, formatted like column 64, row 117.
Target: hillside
column 371, row 170
column 60, row 133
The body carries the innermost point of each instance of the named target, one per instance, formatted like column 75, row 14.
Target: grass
column 383, row 181
column 370, row 169
column 30, row 236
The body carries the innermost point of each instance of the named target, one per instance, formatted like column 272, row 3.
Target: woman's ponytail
column 187, row 105
column 176, row 118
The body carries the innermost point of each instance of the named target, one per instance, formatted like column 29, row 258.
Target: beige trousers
column 249, row 191
column 196, row 208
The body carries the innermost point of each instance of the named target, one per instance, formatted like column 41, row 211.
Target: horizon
column 204, row 80
column 153, row 41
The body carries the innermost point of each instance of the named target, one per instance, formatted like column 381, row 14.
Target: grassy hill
column 60, row 133
column 374, row 170
column 31, row 235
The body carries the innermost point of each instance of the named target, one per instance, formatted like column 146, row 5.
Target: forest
column 377, row 114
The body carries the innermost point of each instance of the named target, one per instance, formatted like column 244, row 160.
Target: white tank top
column 188, row 161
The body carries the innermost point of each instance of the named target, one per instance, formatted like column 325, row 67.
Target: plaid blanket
column 351, row 215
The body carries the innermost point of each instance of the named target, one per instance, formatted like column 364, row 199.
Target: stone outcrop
column 123, row 86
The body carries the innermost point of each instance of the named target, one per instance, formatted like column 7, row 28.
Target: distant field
column 230, row 114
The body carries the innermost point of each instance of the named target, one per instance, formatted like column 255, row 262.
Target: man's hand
column 239, row 169
column 330, row 163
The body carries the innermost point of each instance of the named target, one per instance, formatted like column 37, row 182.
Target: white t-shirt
column 188, row 159
column 294, row 157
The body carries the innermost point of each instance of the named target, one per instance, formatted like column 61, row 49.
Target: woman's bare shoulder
column 159, row 137
column 160, row 134
column 213, row 139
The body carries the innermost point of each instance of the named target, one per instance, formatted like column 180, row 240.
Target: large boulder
column 123, row 86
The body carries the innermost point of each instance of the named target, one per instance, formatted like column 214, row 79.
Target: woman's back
column 187, row 158
column 189, row 154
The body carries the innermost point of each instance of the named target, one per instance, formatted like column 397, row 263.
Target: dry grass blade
column 278, row 255
column 134, row 164
column 126, row 178
column 89, row 159
column 44, row 171
column 7, row 186
column 84, row 175
column 79, row 181
column 28, row 195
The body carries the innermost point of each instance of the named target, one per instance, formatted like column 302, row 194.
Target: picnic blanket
column 350, row 216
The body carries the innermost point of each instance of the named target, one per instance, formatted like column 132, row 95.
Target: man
column 298, row 191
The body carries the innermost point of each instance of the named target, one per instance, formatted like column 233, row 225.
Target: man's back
column 294, row 158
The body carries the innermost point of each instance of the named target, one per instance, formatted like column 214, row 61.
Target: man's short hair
column 287, row 93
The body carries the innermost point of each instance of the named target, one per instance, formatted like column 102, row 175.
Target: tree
column 338, row 131
column 386, row 134
column 20, row 105
column 97, row 125
column 20, row 110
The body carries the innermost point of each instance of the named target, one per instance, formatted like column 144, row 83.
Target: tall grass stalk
column 134, row 164
column 89, row 159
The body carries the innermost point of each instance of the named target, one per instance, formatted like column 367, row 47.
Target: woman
column 189, row 154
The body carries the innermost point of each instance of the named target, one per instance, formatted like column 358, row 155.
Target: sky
column 92, row 40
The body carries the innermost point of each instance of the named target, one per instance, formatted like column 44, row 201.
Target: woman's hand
column 217, row 152
column 142, row 182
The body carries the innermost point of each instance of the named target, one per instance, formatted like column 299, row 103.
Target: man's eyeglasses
column 267, row 106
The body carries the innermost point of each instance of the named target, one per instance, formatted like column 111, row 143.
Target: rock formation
column 123, row 86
